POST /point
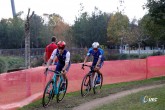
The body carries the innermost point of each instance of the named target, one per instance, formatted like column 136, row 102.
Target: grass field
column 139, row 101
column 74, row 99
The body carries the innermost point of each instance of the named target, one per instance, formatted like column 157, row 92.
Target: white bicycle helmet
column 95, row 45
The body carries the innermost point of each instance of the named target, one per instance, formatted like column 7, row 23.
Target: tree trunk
column 27, row 40
column 139, row 49
column 27, row 49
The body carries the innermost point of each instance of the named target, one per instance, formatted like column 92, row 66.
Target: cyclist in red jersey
column 49, row 49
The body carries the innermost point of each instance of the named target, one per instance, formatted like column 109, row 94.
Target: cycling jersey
column 96, row 55
column 62, row 59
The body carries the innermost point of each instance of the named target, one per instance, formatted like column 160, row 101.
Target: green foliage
column 12, row 33
column 154, row 31
column 15, row 62
column 156, row 11
column 117, row 27
column 134, row 101
column 2, row 65
column 103, row 47
column 157, row 53
column 40, row 34
column 88, row 29
column 37, row 61
column 125, row 56
column 9, row 63
column 77, row 58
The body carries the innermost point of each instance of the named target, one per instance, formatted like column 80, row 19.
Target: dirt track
column 100, row 101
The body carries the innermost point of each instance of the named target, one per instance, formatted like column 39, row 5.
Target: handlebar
column 86, row 65
column 56, row 72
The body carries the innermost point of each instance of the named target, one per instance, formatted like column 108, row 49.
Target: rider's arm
column 88, row 54
column 54, row 60
column 99, row 60
column 51, row 57
column 48, row 63
column 67, row 60
column 86, row 58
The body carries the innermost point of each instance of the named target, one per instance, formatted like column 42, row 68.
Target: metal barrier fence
column 40, row 51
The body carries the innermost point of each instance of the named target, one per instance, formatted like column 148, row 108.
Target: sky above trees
column 69, row 9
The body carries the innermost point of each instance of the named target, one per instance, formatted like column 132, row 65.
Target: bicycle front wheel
column 62, row 91
column 85, row 86
column 97, row 87
column 48, row 93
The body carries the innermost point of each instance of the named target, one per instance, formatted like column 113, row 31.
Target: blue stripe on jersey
column 96, row 54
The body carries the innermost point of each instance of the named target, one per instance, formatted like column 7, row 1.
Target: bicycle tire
column 97, row 87
column 48, row 93
column 61, row 93
column 85, row 86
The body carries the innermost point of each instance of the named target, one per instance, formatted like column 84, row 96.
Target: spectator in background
column 49, row 49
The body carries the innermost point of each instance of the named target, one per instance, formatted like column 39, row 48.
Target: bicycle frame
column 56, row 84
column 54, row 87
column 89, row 82
column 92, row 74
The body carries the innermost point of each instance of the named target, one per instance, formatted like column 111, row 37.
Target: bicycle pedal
column 49, row 97
column 97, row 85
column 85, row 84
column 62, row 91
column 48, row 92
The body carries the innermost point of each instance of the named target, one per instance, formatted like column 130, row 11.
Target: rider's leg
column 99, row 75
column 58, row 69
column 64, row 81
column 98, row 71
column 57, row 79
column 65, row 76
column 65, row 72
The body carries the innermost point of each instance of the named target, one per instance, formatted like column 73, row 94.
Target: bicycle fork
column 93, row 80
column 92, row 77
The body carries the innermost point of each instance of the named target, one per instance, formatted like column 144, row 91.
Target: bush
column 15, row 62
column 134, row 56
column 117, row 57
column 143, row 56
column 37, row 61
column 123, row 56
column 112, row 57
column 2, row 65
column 9, row 63
column 77, row 58
column 157, row 53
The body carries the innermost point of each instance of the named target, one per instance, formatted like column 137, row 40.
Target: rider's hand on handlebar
column 63, row 71
column 83, row 66
column 46, row 69
column 96, row 67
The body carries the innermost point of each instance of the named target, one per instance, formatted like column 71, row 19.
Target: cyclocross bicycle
column 89, row 82
column 54, row 87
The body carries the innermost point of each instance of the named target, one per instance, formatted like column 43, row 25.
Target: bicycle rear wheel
column 62, row 91
column 97, row 87
column 85, row 86
column 48, row 93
